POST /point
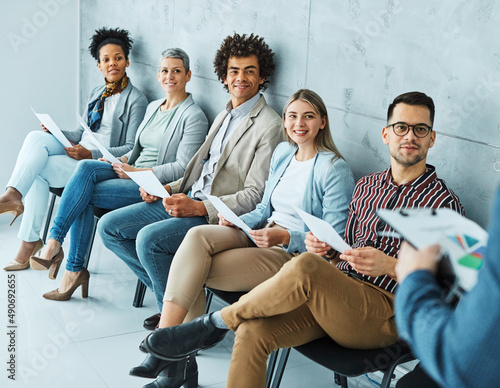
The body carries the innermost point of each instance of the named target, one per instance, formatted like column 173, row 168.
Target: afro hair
column 244, row 46
column 104, row 36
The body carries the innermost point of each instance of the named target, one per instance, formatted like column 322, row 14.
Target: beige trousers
column 222, row 258
column 307, row 299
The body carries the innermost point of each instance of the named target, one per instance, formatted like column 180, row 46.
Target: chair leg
column 89, row 249
column 271, row 365
column 210, row 296
column 140, row 291
column 49, row 217
column 389, row 372
column 278, row 375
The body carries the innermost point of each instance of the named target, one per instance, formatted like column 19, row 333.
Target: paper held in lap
column 149, row 182
column 227, row 213
column 145, row 179
column 108, row 155
column 323, row 231
column 462, row 241
column 48, row 123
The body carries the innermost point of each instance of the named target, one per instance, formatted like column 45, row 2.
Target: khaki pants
column 308, row 299
column 219, row 257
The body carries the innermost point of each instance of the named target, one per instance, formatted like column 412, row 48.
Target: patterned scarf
column 96, row 107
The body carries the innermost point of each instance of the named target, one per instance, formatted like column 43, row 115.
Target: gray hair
column 176, row 53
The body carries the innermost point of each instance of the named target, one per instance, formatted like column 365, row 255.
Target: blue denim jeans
column 93, row 183
column 146, row 238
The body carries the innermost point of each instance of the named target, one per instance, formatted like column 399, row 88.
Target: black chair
column 140, row 289
column 417, row 378
column 345, row 362
column 55, row 192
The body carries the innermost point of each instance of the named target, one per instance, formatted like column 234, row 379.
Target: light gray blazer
column 127, row 116
column 243, row 166
column 182, row 138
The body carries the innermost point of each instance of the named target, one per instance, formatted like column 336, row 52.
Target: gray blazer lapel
column 173, row 124
column 118, row 114
column 239, row 132
column 195, row 166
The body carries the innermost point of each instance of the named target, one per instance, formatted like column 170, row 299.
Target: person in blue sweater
column 457, row 346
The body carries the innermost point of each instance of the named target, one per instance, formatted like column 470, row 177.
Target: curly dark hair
column 244, row 46
column 104, row 36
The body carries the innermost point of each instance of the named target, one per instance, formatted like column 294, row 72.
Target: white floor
column 93, row 342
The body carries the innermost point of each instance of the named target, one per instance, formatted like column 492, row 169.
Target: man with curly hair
column 232, row 163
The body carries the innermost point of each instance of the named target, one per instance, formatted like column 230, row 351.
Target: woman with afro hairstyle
column 173, row 129
column 113, row 112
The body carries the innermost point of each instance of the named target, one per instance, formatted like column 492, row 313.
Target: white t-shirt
column 289, row 192
column 103, row 134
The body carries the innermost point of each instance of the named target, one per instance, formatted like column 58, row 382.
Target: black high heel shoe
column 150, row 367
column 182, row 373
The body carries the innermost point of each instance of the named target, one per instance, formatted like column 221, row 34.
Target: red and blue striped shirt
column 378, row 191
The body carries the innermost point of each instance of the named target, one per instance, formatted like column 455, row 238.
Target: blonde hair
column 323, row 140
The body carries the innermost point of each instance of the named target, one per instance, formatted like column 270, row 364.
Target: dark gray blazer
column 127, row 116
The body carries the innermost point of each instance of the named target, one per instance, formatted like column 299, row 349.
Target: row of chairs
column 344, row 362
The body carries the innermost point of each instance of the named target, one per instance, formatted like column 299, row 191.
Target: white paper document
column 323, row 231
column 108, row 155
column 227, row 213
column 461, row 239
column 48, row 123
column 149, row 182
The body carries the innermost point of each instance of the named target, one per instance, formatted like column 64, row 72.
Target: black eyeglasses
column 419, row 130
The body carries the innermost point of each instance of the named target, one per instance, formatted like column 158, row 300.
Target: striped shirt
column 378, row 191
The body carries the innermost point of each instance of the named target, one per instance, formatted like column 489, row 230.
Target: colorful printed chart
column 473, row 250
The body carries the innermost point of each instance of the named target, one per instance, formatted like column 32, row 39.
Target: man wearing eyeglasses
column 351, row 301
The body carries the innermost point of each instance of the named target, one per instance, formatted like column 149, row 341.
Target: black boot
column 178, row 342
column 183, row 373
column 142, row 348
column 150, row 367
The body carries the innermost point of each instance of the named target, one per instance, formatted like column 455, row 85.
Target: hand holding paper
column 323, row 231
column 227, row 213
column 149, row 182
column 48, row 123
column 108, row 155
column 462, row 240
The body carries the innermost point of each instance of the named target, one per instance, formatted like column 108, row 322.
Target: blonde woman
column 307, row 172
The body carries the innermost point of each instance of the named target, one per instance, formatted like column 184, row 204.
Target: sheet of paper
column 461, row 239
column 108, row 155
column 149, row 182
column 227, row 213
column 48, row 123
column 323, row 231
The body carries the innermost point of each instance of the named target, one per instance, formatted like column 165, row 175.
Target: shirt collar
column 387, row 176
column 244, row 108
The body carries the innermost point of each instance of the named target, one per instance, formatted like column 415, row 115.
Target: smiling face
column 303, row 123
column 172, row 75
column 409, row 150
column 112, row 62
column 243, row 79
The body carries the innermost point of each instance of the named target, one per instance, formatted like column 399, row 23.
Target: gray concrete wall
column 357, row 54
column 38, row 67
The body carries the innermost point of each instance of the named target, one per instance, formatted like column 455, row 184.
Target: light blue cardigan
column 326, row 196
column 182, row 138
column 128, row 114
